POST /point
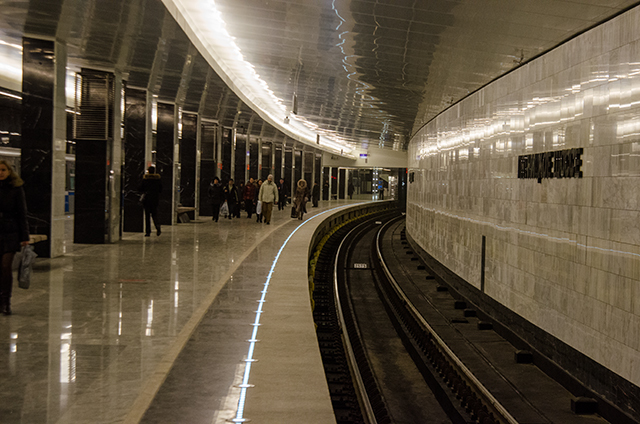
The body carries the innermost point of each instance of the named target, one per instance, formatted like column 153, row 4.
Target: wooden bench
column 183, row 213
column 36, row 238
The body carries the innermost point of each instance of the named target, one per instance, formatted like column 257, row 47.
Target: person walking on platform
column 282, row 194
column 249, row 196
column 232, row 197
column 268, row 196
column 301, row 198
column 350, row 190
column 14, row 229
column 216, row 195
column 315, row 194
column 151, row 188
column 256, row 200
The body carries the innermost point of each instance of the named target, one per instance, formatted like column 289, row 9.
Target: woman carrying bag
column 14, row 230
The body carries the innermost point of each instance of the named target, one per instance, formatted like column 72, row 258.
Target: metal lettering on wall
column 559, row 164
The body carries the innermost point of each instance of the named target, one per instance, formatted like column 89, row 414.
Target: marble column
column 253, row 158
column 208, row 165
column 115, row 164
column 94, row 150
column 288, row 165
column 166, row 145
column 44, row 140
column 134, row 153
column 298, row 167
column 267, row 159
column 188, row 153
column 260, row 159
column 227, row 148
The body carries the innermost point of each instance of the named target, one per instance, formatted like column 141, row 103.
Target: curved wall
column 563, row 253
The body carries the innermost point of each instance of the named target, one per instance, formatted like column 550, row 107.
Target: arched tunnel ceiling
column 369, row 71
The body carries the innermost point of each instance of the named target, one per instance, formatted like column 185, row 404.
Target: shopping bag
column 224, row 209
column 259, row 207
column 26, row 266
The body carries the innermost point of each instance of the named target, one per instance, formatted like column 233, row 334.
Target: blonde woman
column 14, row 230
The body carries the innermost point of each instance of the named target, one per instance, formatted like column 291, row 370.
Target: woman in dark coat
column 151, row 188
column 14, row 230
column 216, row 195
column 301, row 198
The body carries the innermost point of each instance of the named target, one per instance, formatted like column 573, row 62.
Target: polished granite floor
column 95, row 337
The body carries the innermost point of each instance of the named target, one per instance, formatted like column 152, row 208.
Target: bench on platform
column 36, row 238
column 183, row 213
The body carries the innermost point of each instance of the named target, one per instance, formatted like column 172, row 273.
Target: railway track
column 398, row 347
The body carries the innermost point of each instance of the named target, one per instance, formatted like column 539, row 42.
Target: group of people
column 258, row 197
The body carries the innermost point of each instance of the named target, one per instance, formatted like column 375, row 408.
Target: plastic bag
column 259, row 207
column 224, row 209
column 26, row 266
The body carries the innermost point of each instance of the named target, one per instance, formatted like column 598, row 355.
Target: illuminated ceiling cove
column 366, row 72
column 358, row 73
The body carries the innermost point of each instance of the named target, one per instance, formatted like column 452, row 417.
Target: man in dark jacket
column 283, row 194
column 151, row 188
column 216, row 195
column 232, row 197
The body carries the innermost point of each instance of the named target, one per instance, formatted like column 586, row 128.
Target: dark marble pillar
column 227, row 143
column 38, row 77
column 253, row 158
column 288, row 166
column 278, row 163
column 165, row 145
column 188, row 152
column 318, row 168
column 91, row 221
column 266, row 160
column 297, row 175
column 94, row 142
column 240, row 158
column 208, row 165
column 342, row 183
column 134, row 163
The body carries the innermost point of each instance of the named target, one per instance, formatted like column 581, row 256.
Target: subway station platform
column 113, row 333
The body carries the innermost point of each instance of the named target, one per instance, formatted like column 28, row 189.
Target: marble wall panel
column 562, row 253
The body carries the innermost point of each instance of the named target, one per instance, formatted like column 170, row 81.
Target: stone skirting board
column 540, row 171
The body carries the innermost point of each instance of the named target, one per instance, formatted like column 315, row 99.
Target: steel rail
column 486, row 394
column 351, row 358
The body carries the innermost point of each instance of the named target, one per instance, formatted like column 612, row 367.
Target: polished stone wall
column 561, row 253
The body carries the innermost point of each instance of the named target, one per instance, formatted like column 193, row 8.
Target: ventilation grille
column 95, row 94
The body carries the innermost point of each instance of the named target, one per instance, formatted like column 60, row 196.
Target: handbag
column 259, row 207
column 294, row 214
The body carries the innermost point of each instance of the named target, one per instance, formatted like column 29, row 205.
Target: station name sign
column 559, row 164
